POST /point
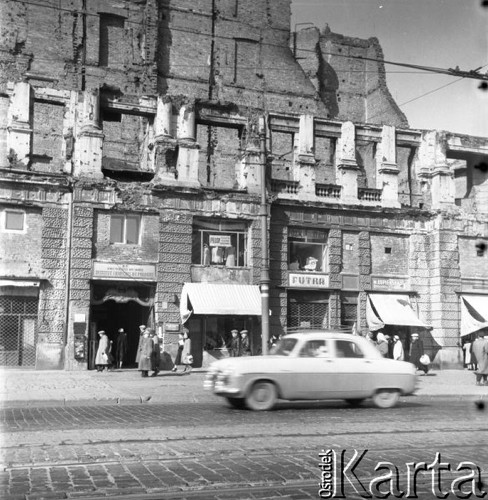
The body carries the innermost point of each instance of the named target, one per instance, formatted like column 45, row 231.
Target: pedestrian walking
column 467, row 350
column 234, row 344
column 186, row 355
column 245, row 347
column 156, row 354
column 382, row 344
column 142, row 329
column 121, row 344
column 480, row 350
column 179, row 353
column 398, row 352
column 145, row 352
column 416, row 352
column 102, row 359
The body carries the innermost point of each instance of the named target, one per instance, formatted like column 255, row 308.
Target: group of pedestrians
column 393, row 348
column 109, row 356
column 239, row 344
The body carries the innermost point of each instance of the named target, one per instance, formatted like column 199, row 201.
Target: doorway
column 110, row 316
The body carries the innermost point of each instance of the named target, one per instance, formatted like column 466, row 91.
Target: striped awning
column 219, row 299
column 474, row 313
column 391, row 309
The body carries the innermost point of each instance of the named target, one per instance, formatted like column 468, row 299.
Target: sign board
column 309, row 280
column 123, row 271
column 220, row 240
column 384, row 283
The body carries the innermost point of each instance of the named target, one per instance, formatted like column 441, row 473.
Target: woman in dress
column 102, row 357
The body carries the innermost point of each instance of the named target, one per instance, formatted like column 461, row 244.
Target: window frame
column 124, row 217
column 310, row 238
column 6, row 211
column 201, row 236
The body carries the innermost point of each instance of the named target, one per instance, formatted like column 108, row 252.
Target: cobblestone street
column 204, row 449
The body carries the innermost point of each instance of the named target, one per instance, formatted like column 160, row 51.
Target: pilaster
column 306, row 158
column 188, row 149
column 386, row 168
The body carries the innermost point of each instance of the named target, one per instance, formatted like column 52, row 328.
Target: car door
column 353, row 370
column 310, row 370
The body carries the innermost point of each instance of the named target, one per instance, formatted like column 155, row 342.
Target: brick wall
column 20, row 251
column 324, row 155
column 282, row 149
column 394, row 262
column 471, row 264
column 219, row 154
column 47, row 139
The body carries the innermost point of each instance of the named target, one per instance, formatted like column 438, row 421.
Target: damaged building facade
column 132, row 140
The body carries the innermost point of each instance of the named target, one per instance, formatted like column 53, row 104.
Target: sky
column 435, row 33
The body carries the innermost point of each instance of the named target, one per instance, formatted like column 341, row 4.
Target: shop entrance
column 127, row 309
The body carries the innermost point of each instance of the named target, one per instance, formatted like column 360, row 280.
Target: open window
column 308, row 250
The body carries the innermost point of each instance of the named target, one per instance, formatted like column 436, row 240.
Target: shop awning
column 391, row 309
column 219, row 299
column 474, row 313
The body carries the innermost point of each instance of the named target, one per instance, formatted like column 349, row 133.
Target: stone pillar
column 69, row 126
column 306, row 158
column 346, row 165
column 19, row 131
column 386, row 168
column 251, row 163
column 164, row 152
column 434, row 168
column 188, row 149
column 88, row 162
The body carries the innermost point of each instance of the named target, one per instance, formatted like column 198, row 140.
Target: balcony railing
column 328, row 191
column 369, row 194
column 284, row 186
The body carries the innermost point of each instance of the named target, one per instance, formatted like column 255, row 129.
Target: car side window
column 347, row 349
column 314, row 349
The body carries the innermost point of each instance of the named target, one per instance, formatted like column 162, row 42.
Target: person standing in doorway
column 234, row 344
column 142, row 329
column 120, row 347
column 102, row 358
column 145, row 352
column 245, row 346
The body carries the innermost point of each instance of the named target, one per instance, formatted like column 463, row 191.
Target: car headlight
column 225, row 377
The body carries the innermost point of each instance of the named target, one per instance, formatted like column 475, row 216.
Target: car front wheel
column 386, row 398
column 262, row 396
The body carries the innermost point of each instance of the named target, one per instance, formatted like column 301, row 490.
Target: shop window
column 219, row 243
column 308, row 250
column 14, row 220
column 125, row 229
column 308, row 310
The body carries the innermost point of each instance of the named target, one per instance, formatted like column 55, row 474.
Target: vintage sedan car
column 312, row 365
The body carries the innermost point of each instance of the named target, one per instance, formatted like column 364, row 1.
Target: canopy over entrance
column 474, row 313
column 219, row 299
column 391, row 309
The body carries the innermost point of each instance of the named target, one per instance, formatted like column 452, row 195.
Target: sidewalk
column 24, row 388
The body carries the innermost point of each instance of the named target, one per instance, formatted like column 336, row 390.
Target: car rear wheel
column 386, row 398
column 355, row 402
column 262, row 396
column 238, row 403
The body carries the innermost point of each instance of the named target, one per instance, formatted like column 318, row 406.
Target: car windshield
column 283, row 347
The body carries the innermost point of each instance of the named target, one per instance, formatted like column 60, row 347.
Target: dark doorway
column 110, row 316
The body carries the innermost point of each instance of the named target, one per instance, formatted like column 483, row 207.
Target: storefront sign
column 123, row 272
column 308, row 234
column 296, row 280
column 219, row 240
column 389, row 283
